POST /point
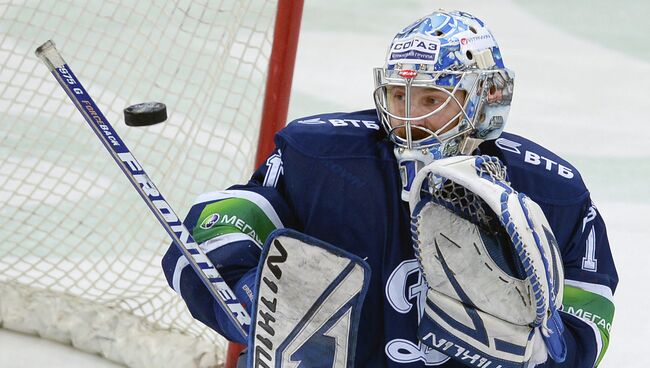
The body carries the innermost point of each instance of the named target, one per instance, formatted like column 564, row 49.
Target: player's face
column 424, row 101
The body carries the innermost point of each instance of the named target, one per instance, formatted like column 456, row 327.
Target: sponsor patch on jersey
column 535, row 159
column 314, row 121
column 415, row 49
column 368, row 124
column 232, row 215
column 508, row 145
column 210, row 221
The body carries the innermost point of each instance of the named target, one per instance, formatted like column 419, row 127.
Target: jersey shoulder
column 334, row 135
column 540, row 173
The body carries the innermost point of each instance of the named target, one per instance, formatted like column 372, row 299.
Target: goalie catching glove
column 492, row 266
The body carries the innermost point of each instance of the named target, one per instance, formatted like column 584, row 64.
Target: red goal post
column 276, row 99
column 280, row 75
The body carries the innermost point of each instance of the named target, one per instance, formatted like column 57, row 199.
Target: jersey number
column 589, row 262
column 273, row 169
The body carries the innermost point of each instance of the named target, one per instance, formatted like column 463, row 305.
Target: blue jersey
column 334, row 177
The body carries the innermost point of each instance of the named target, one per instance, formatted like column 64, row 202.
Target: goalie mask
column 442, row 91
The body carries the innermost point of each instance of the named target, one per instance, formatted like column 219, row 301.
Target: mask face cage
column 450, row 137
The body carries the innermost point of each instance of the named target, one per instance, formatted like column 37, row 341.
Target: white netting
column 462, row 201
column 71, row 226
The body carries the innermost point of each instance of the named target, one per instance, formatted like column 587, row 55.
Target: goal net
column 80, row 252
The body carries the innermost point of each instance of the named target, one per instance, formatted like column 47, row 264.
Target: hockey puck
column 145, row 114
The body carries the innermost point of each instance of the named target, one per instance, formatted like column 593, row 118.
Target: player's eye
column 398, row 95
column 431, row 101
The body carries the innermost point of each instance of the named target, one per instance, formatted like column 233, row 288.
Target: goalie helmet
column 455, row 54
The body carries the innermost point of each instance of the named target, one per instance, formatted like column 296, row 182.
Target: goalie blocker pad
column 308, row 303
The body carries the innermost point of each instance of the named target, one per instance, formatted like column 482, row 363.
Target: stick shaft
column 145, row 187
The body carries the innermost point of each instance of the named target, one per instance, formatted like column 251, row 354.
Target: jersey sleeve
column 590, row 282
column 230, row 226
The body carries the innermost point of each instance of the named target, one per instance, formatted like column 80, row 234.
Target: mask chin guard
column 410, row 162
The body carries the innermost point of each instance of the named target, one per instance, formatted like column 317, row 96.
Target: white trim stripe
column 597, row 336
column 207, row 247
column 176, row 279
column 258, row 199
column 599, row 340
column 601, row 290
column 225, row 239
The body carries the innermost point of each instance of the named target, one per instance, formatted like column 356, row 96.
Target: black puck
column 145, row 114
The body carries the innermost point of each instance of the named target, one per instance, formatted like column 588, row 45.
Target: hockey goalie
column 414, row 234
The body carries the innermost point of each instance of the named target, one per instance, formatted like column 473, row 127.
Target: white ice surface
column 574, row 96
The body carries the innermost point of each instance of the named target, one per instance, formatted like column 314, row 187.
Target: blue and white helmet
column 447, row 51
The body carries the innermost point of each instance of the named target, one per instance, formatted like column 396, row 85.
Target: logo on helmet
column 478, row 41
column 422, row 49
column 408, row 73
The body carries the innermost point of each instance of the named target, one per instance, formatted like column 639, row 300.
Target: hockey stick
column 201, row 264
